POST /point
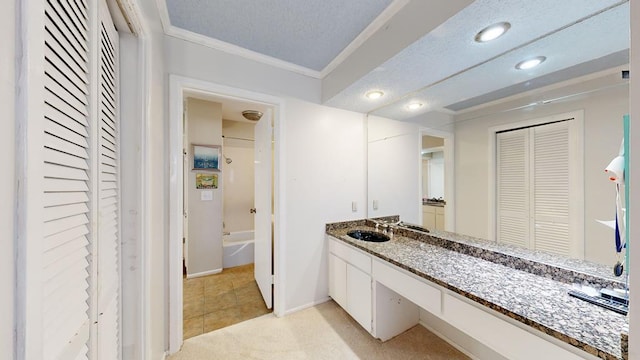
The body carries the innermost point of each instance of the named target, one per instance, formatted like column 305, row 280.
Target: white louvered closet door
column 108, row 154
column 534, row 184
column 551, row 188
column 513, row 205
column 67, row 193
column 81, row 197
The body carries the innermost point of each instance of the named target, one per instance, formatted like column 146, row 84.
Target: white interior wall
column 324, row 158
column 238, row 176
column 634, row 200
column 7, row 180
column 204, row 217
column 394, row 169
column 200, row 62
column 603, row 111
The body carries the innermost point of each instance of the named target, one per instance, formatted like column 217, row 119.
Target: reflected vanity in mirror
column 506, row 99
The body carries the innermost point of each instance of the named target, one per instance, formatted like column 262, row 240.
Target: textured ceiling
column 445, row 69
column 453, row 67
column 306, row 33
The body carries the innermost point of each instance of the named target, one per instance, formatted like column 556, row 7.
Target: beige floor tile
column 193, row 307
column 241, row 279
column 193, row 327
column 215, row 302
column 248, row 293
column 193, row 286
column 252, row 310
column 220, row 319
column 217, row 286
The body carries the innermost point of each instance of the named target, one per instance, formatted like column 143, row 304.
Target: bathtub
column 237, row 248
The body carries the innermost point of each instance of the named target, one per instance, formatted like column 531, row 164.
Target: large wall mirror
column 593, row 88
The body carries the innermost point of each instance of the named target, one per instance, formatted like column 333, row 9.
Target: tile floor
column 216, row 301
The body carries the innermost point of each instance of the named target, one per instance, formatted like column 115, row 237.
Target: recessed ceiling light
column 492, row 32
column 375, row 94
column 414, row 106
column 530, row 63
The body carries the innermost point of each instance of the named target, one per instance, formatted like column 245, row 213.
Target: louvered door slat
column 66, row 189
column 66, row 115
column 109, row 194
column 63, row 185
column 56, row 157
column 66, row 236
column 53, row 142
column 62, row 73
column 56, row 129
column 68, row 95
column 68, row 24
column 61, row 172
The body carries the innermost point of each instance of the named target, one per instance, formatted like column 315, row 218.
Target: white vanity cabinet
column 387, row 300
column 433, row 217
column 350, row 281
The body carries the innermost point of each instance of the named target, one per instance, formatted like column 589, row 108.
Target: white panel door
column 263, row 245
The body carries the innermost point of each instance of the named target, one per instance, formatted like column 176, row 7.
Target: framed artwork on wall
column 206, row 157
column 206, row 181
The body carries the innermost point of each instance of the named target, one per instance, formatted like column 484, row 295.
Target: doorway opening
column 437, row 179
column 433, row 186
column 222, row 284
column 204, row 261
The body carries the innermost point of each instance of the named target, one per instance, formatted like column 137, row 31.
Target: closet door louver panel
column 513, row 187
column 66, row 245
column 551, row 188
column 108, row 193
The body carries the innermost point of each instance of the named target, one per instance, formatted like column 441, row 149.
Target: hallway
column 216, row 301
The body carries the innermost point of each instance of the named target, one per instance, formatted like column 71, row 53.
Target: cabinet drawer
column 439, row 210
column 352, row 256
column 417, row 291
column 499, row 335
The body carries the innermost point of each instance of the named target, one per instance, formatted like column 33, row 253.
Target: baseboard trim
column 306, row 306
column 204, row 273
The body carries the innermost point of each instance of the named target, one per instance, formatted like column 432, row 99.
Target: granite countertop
column 535, row 300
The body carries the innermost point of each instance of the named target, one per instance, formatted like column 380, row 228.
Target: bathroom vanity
column 515, row 303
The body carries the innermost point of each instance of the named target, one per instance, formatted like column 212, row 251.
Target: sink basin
column 365, row 235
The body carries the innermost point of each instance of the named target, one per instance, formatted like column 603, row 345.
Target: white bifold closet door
column 80, row 249
column 533, row 188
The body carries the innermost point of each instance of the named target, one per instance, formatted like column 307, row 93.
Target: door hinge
column 184, row 240
column 273, row 279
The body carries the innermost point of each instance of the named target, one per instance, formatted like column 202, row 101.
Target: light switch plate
column 354, row 206
column 375, row 204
